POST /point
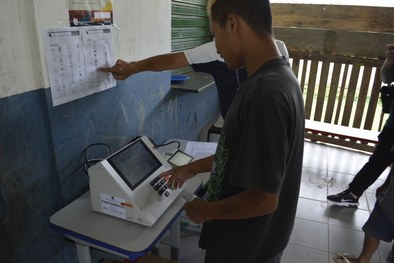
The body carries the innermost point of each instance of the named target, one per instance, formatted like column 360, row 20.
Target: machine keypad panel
column 160, row 186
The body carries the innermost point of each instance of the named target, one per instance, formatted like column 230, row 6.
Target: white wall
column 18, row 49
column 144, row 30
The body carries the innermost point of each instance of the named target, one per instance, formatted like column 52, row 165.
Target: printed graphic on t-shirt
column 218, row 170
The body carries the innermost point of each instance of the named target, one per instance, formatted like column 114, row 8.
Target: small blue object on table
column 179, row 78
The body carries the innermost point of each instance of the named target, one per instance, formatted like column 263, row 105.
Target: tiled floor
column 321, row 229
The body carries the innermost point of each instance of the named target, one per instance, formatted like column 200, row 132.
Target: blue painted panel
column 28, row 182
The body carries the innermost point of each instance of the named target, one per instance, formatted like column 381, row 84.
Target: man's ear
column 232, row 24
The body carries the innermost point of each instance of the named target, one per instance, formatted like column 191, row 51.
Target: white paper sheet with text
column 200, row 149
column 73, row 55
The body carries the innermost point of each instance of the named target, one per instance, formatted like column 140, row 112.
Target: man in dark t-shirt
column 261, row 147
column 256, row 171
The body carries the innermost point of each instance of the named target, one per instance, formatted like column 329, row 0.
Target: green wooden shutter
column 189, row 24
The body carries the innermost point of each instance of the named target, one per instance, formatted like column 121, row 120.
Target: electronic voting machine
column 125, row 184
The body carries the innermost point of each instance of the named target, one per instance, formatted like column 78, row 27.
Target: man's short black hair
column 256, row 13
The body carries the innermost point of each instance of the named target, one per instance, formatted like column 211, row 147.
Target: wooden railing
column 340, row 90
column 341, row 96
column 336, row 52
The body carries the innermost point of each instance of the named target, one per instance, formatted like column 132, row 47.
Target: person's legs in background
column 380, row 159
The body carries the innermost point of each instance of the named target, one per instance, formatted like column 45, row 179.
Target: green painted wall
column 189, row 24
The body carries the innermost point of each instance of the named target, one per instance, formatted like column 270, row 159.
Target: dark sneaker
column 343, row 199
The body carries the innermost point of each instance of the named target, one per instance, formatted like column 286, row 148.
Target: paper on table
column 200, row 149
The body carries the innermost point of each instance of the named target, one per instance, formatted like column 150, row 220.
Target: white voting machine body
column 125, row 184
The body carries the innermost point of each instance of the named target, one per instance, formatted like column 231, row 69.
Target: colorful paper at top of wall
column 90, row 12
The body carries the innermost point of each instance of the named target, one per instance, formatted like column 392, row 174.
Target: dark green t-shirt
column 261, row 147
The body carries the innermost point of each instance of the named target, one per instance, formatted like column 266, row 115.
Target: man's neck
column 260, row 50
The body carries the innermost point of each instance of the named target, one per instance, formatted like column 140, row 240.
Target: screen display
column 135, row 163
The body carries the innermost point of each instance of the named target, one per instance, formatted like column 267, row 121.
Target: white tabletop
column 78, row 221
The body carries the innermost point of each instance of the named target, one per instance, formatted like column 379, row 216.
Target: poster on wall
column 90, row 12
column 73, row 55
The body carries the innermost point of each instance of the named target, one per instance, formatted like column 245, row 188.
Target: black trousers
column 380, row 159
